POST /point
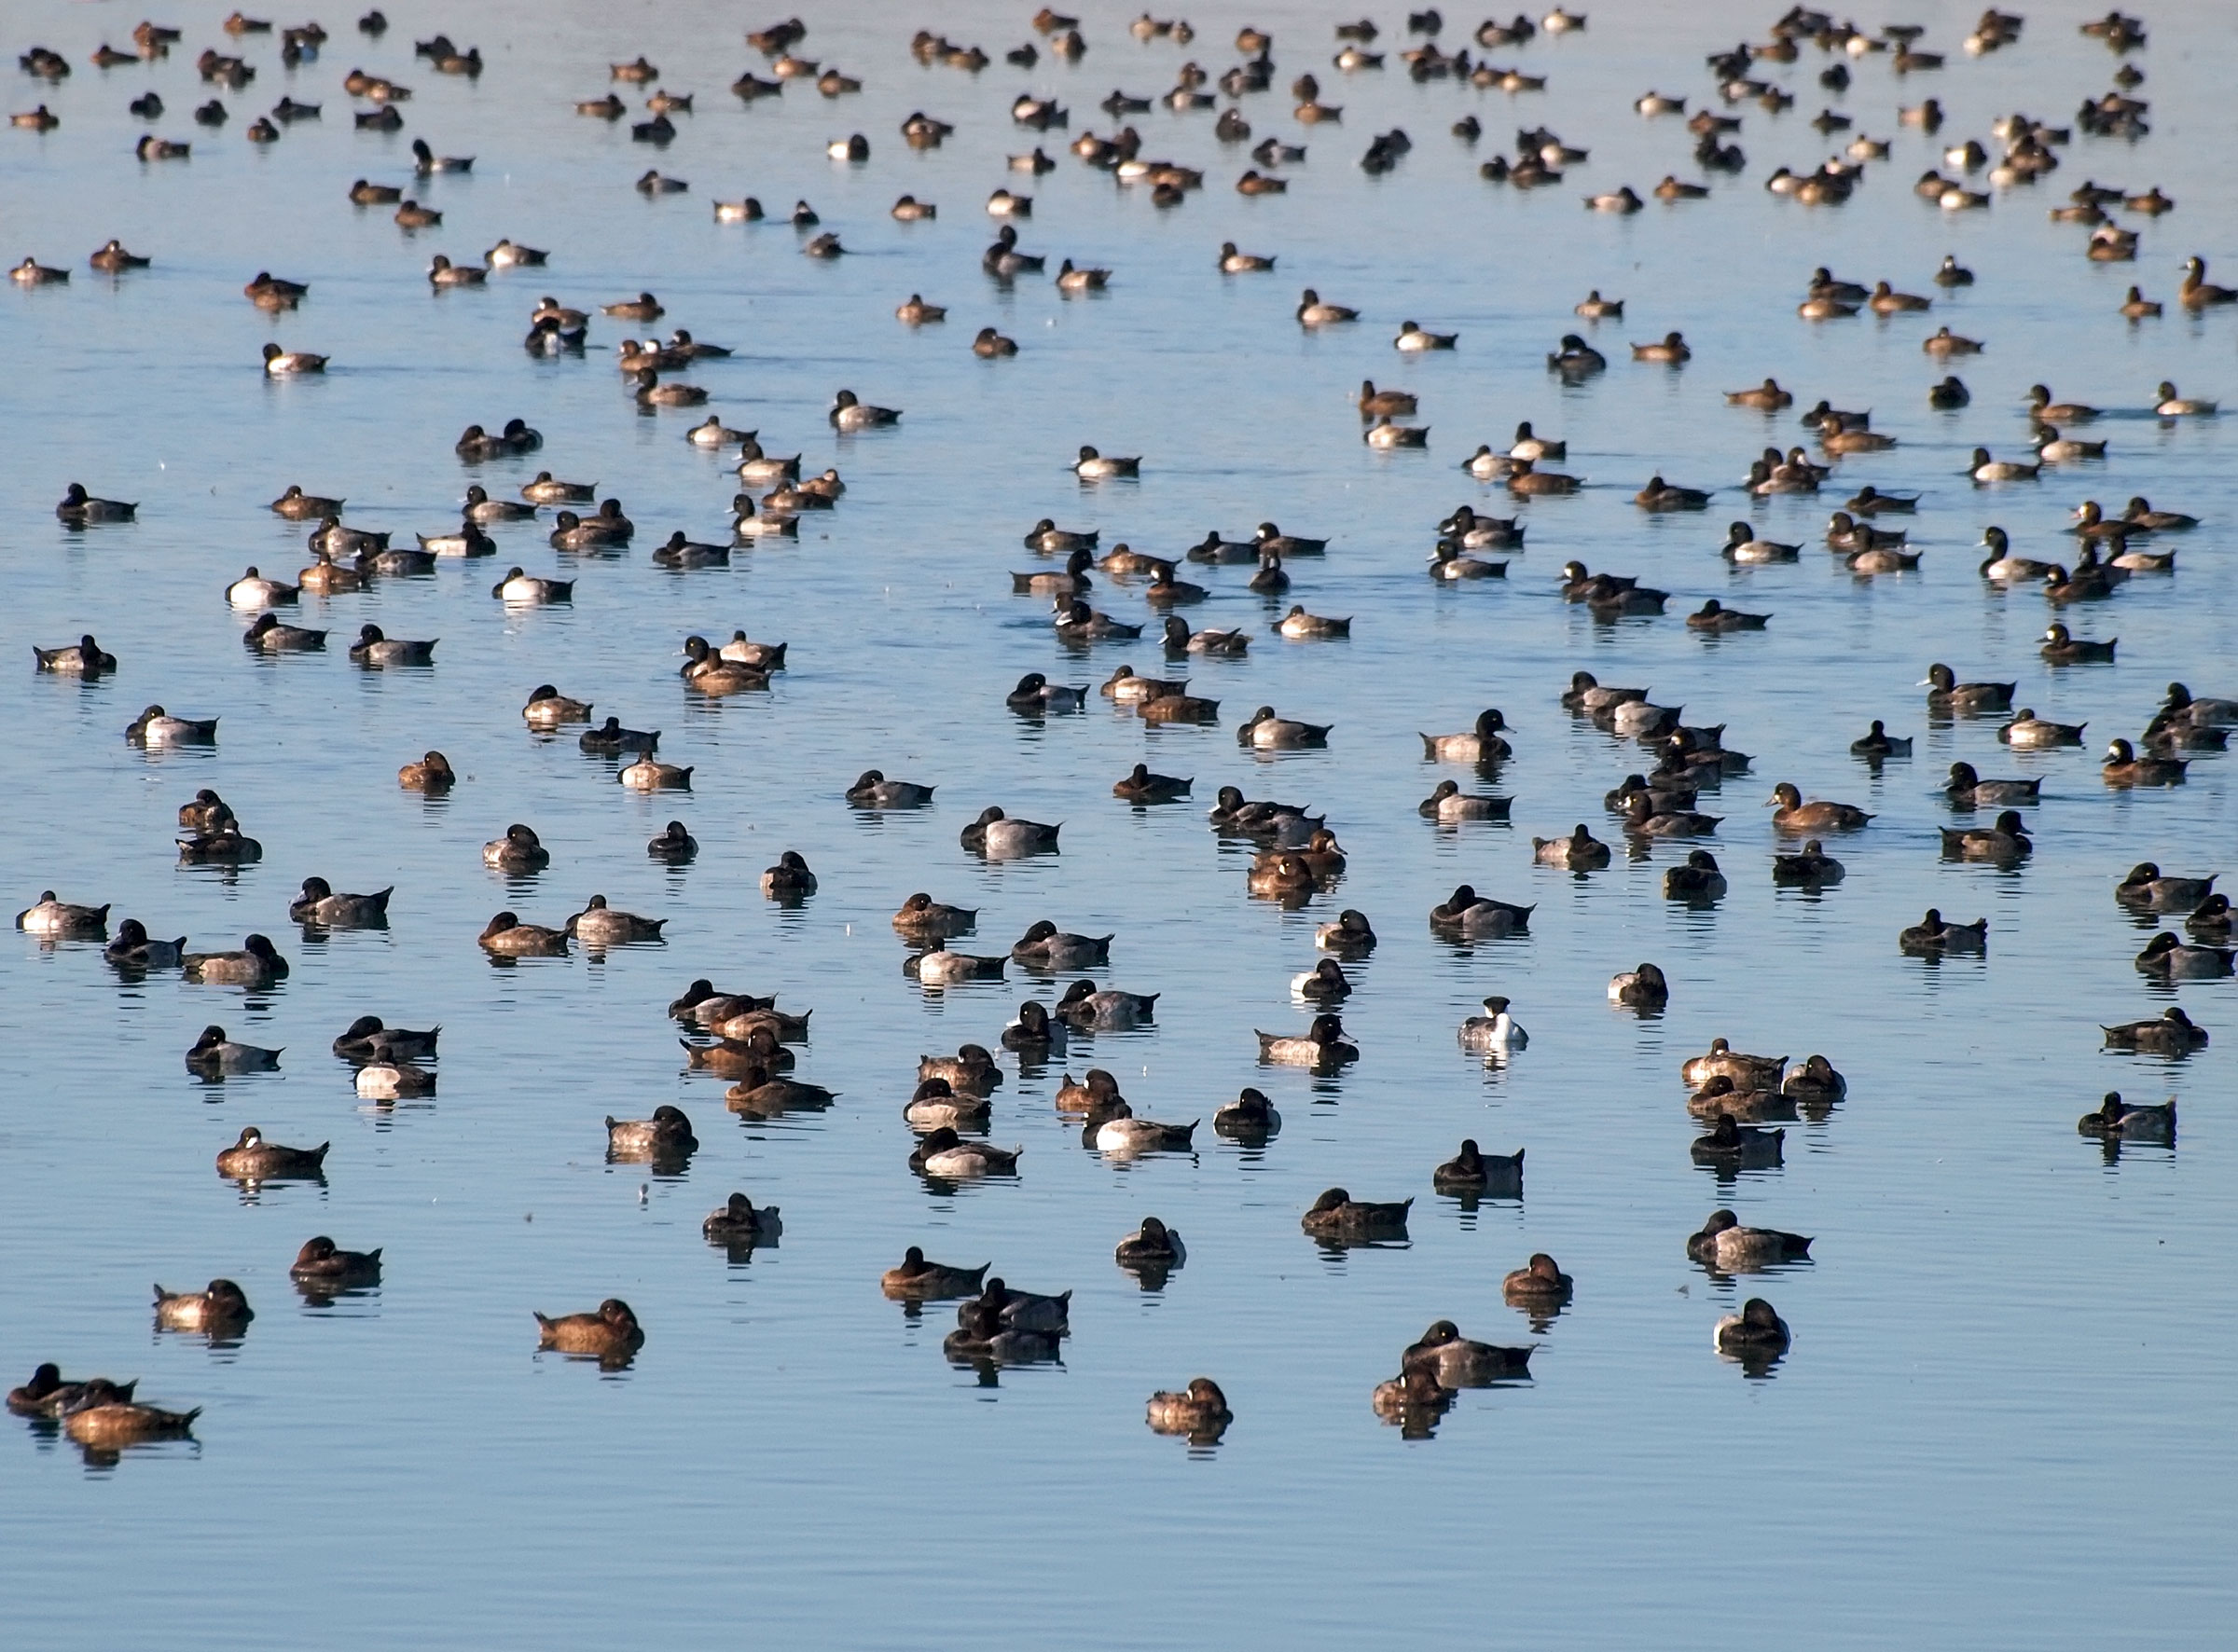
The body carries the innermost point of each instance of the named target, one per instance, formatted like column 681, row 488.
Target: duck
column 1448, row 803
column 546, row 489
column 971, row 1071
column 547, row 707
column 2173, row 1034
column 1350, row 936
column 1581, row 851
column 1755, row 1334
column 762, row 1094
column 2172, row 959
column 321, row 1266
column 1481, row 743
column 1084, row 1008
column 2003, row 565
column 944, row 1154
column 1093, row 466
column 1118, row 1131
column 917, row 1279
column 1456, row 1362
column 1232, row 262
column 255, row 965
column 1265, row 731
column 1251, row 1118
column 1660, row 497
column 1337, row 1214
column 1643, row 988
column 2115, row 1120
column 1733, row 1145
column 133, row 950
column 47, row 1394
column 1968, row 789
column 1539, row 1284
column 1313, row 312
column 1323, row 1046
column 2060, row 648
column 2147, row 888
column 872, row 790
column 612, row 737
column 1947, row 694
column 1813, row 868
column 648, row 773
column 2168, row 405
column 1790, row 813
column 1714, row 615
column 1877, row 743
column 1465, row 914
column 600, row 925
column 2197, row 293
column 2124, row 769
column 1200, row 1410
column 157, row 728
column 1000, row 837
column 666, row 1134
column 252, row 1158
column 1035, row 693
column 431, row 774
column 1412, row 340
column 1743, row 546
column 2028, row 732
column 2005, row 842
column 1699, row 879
column 213, row 1056
column 319, row 905
column 369, row 1039
column 790, row 879
column 1933, row 936
column 83, row 658
column 373, row 647
column 221, row 1309
column 1043, row 946
column 610, row 1333
column 507, row 936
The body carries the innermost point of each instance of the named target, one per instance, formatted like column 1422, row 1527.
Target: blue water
column 2003, row 1419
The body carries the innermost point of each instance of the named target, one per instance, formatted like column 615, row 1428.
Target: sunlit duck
column 790, row 879
column 133, row 949
column 1466, row 914
column 1491, row 1034
column 1383, row 435
column 1120, row 1132
column 1714, row 615
column 157, row 728
column 1755, row 1334
column 1047, row 948
column 1742, row 546
column 2197, row 293
column 998, row 836
column 1413, row 339
column 2030, row 732
column 1946, row 694
column 517, row 851
column 944, row 1154
column 432, row 773
column 2115, row 1120
column 1790, row 813
column 917, row 1279
column 1459, row 1363
column 1576, row 358
column 2003, row 565
column 320, row 904
column 367, row 1038
column 2124, row 767
column 1076, row 621
column 611, row 1334
column 547, row 707
column 254, row 965
column 739, row 1221
column 1581, row 851
column 213, row 1054
column 935, row 1104
column 2169, row 404
column 648, row 773
column 600, row 925
column 545, row 490
column 254, row 1158
column 666, row 1134
column 1035, row 693
column 507, row 936
column 1540, row 1285
column 2053, row 448
column 2139, row 517
column 1448, row 803
column 1313, row 312
column 1199, row 1411
column 2173, row 1034
column 220, row 1309
column 518, row 587
column 1092, row 466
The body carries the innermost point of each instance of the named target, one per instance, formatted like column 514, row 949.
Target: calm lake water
column 2006, row 1418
